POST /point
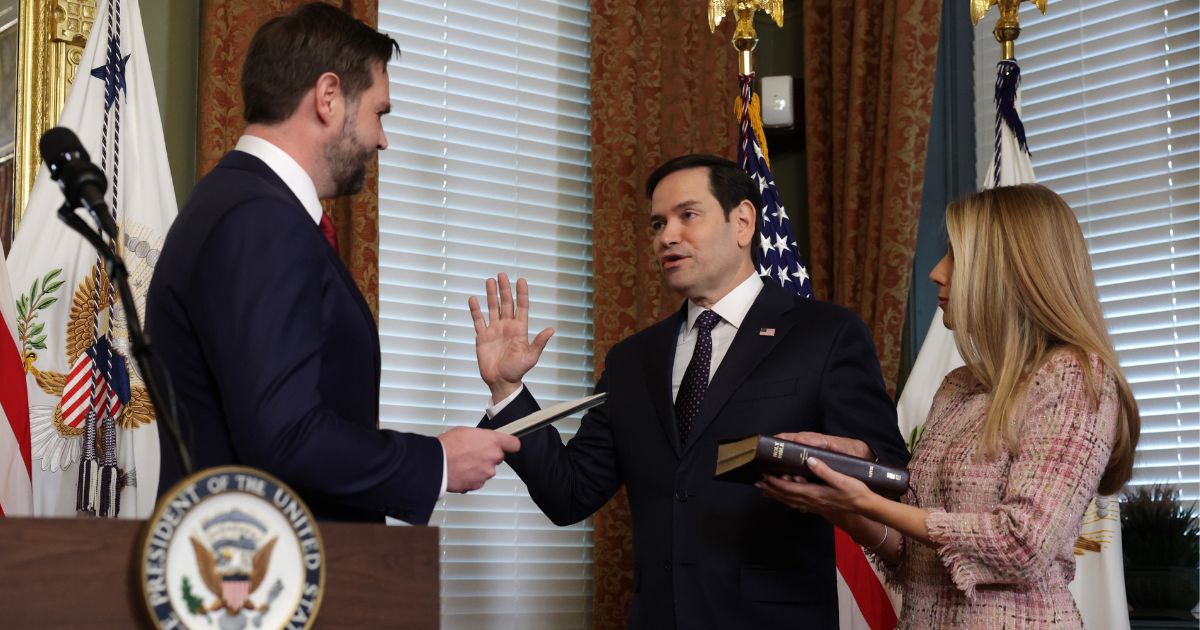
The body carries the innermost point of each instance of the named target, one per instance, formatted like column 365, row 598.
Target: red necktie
column 327, row 230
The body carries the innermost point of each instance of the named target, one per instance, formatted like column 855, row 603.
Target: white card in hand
column 542, row 417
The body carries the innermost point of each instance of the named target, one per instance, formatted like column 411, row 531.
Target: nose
column 938, row 275
column 383, row 141
column 668, row 235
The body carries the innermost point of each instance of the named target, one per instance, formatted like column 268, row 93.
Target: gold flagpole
column 1008, row 27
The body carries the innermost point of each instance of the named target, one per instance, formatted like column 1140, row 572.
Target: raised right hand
column 502, row 345
column 472, row 456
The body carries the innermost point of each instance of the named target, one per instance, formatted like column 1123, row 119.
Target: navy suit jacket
column 274, row 356
column 708, row 553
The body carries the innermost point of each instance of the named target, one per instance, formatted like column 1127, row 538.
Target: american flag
column 863, row 603
column 98, row 383
column 16, row 474
column 778, row 256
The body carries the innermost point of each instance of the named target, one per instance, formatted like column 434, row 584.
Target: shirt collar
column 733, row 307
column 288, row 169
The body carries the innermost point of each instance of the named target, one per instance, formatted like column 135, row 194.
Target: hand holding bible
column 838, row 493
column 831, row 493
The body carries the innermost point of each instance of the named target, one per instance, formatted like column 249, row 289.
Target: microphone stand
column 140, row 346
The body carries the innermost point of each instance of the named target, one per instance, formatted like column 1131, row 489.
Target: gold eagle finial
column 1008, row 27
column 744, row 37
column 979, row 8
column 718, row 9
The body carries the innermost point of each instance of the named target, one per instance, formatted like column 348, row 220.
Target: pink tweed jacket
column 1005, row 530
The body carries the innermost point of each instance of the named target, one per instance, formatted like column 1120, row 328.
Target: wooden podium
column 83, row 573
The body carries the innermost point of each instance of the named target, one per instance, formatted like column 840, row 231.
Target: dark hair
column 289, row 52
column 726, row 181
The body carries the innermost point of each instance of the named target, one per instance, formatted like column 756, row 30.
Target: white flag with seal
column 93, row 431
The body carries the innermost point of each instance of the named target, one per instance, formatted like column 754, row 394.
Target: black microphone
column 82, row 183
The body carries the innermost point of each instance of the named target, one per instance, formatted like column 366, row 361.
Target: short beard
column 347, row 161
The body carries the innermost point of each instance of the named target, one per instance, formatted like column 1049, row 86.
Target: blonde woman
column 1017, row 441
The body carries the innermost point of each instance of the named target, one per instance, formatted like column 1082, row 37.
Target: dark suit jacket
column 707, row 553
column 274, row 355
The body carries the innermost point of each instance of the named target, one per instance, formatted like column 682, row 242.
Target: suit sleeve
column 261, row 313
column 854, row 399
column 568, row 482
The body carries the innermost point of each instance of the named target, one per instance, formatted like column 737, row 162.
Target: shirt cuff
column 445, row 471
column 498, row 407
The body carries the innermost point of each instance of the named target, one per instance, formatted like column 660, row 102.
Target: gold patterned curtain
column 868, row 94
column 662, row 85
column 226, row 27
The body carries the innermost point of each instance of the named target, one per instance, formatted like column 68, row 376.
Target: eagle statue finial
column 1008, row 27
column 744, row 37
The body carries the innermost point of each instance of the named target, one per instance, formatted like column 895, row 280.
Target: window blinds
column 488, row 170
column 1110, row 106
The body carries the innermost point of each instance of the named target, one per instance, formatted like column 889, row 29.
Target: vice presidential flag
column 94, row 442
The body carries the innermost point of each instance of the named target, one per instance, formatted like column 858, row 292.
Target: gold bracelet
column 881, row 540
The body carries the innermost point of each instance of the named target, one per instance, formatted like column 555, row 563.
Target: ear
column 744, row 216
column 329, row 102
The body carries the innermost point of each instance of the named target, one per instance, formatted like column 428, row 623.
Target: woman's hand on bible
column 838, row 492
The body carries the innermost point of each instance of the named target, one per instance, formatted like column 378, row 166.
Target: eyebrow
column 683, row 205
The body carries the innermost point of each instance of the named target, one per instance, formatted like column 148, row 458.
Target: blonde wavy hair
column 1022, row 287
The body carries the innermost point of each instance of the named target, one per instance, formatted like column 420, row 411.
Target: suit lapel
column 658, row 362
column 748, row 349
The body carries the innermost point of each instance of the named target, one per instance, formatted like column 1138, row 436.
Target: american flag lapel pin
column 766, row 332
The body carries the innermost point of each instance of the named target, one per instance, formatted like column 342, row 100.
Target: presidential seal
column 232, row 548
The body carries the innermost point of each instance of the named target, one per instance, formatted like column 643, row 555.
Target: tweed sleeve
column 1066, row 439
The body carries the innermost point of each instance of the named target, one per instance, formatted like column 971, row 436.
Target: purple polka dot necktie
column 695, row 378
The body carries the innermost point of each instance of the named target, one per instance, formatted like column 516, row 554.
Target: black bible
column 745, row 460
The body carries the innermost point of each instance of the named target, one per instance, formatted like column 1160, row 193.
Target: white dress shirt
column 288, row 169
column 732, row 309
column 297, row 180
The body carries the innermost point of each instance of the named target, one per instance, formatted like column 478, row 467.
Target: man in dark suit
column 740, row 357
column 271, row 350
